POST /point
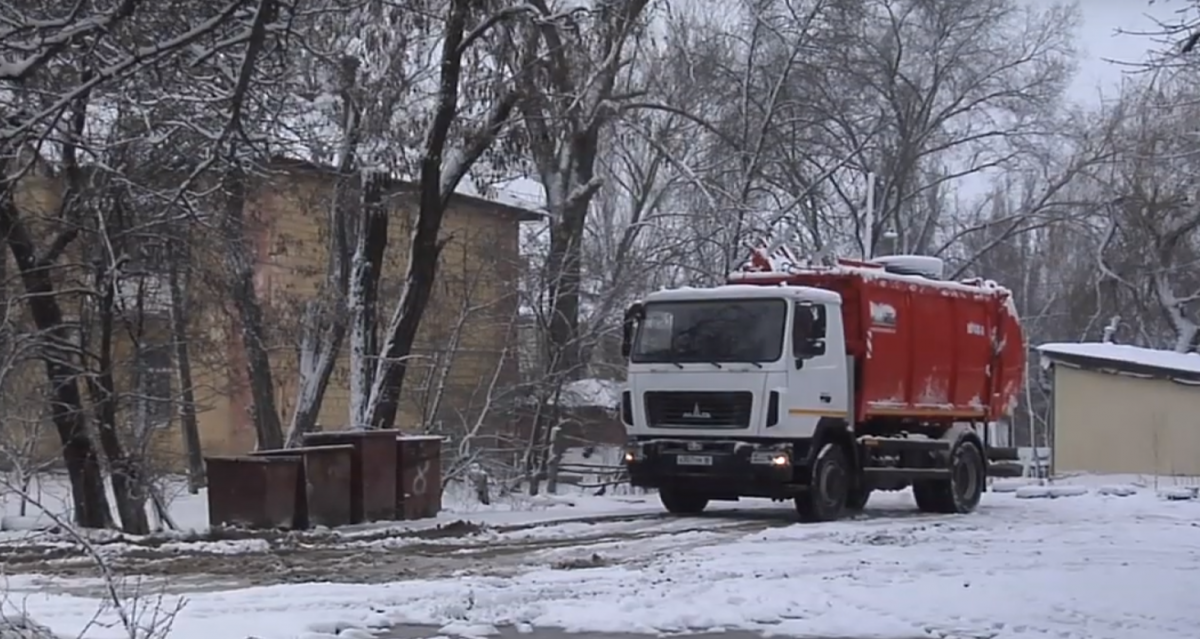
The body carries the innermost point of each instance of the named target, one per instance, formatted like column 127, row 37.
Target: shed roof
column 1125, row 359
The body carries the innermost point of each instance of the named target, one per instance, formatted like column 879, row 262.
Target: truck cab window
column 808, row 331
column 706, row 331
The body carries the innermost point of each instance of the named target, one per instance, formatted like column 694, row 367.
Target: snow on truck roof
column 744, row 291
column 1123, row 355
column 871, row 272
column 771, row 265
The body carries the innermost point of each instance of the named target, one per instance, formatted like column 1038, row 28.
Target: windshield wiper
column 662, row 356
column 717, row 364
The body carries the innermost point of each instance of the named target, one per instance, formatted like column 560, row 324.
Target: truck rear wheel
column 678, row 502
column 961, row 493
column 828, row 487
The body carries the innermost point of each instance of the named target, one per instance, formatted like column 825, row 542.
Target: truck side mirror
column 633, row 315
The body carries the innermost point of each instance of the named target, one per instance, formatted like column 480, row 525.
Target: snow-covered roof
column 517, row 200
column 734, row 291
column 1123, row 354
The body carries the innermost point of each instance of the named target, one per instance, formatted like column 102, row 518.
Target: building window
column 154, row 371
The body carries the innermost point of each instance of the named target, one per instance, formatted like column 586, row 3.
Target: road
column 269, row 558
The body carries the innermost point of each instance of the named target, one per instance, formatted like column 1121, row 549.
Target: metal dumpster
column 323, row 491
column 253, row 492
column 372, row 470
column 419, row 480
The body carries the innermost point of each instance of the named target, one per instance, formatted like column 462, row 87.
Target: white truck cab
column 736, row 361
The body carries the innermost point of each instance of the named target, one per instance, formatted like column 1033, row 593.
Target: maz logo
column 697, row 413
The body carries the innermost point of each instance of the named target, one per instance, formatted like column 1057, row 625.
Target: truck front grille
column 678, row 409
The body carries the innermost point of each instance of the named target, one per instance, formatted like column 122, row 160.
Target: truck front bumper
column 717, row 469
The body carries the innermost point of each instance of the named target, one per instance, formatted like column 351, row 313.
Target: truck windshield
column 747, row 330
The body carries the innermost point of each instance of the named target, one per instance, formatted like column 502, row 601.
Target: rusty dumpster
column 253, row 492
column 372, row 470
column 419, row 480
column 323, row 489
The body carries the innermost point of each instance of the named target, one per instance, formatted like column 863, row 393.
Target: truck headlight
column 633, row 454
column 770, row 458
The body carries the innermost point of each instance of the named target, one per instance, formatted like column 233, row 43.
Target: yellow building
column 1123, row 409
column 465, row 341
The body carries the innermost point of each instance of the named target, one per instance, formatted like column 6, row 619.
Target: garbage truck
column 820, row 381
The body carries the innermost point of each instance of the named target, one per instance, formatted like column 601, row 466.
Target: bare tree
column 1149, row 213
column 57, row 60
column 443, row 165
column 955, row 88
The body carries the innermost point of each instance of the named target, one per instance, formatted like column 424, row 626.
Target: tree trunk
column 326, row 317
column 418, row 288
column 189, row 426
column 264, row 413
column 425, row 247
column 123, row 470
column 371, row 239
column 324, row 332
column 564, row 272
column 66, row 408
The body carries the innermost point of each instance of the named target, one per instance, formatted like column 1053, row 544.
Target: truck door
column 817, row 385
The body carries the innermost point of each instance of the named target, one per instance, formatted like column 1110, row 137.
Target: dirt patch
column 227, row 558
column 231, row 558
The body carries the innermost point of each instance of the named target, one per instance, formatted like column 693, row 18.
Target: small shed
column 1123, row 409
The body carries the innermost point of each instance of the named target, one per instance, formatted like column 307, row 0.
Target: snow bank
column 1050, row 491
column 1012, row 485
column 1179, row 493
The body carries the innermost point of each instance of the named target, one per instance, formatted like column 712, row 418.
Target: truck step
column 996, row 453
column 907, row 473
column 1005, row 469
column 896, row 444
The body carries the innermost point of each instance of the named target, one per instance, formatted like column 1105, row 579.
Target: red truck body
column 924, row 349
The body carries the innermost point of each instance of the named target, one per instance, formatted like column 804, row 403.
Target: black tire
column 857, row 498
column 927, row 496
column 678, row 502
column 828, row 488
column 961, row 493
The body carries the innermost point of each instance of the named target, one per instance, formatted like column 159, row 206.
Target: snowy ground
column 1096, row 566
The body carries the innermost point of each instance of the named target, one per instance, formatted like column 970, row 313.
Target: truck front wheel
column 961, row 493
column 678, row 502
column 857, row 498
column 828, row 487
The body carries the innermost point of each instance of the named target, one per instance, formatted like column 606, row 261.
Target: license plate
column 694, row 460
